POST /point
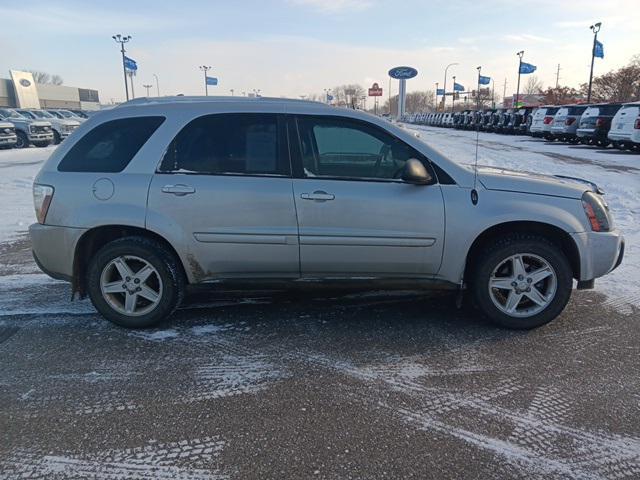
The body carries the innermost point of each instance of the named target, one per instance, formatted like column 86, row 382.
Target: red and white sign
column 375, row 91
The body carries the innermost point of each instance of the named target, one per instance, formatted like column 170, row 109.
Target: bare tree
column 561, row 95
column 56, row 80
column 622, row 85
column 533, row 86
column 40, row 77
column 415, row 102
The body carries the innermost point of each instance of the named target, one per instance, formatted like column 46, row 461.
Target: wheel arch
column 94, row 239
column 551, row 232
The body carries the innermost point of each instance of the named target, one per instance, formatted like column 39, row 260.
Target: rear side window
column 235, row 143
column 110, row 146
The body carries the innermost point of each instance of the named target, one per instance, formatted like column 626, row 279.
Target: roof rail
column 211, row 99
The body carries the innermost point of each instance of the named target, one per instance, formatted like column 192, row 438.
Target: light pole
column 231, row 90
column 327, row 92
column 122, row 39
column 453, row 96
column 595, row 29
column 148, row 86
column 256, row 92
column 436, row 104
column 205, row 69
column 520, row 55
column 157, row 84
column 478, row 89
column 444, row 97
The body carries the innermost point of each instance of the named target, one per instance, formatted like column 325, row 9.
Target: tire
column 532, row 248
column 167, row 282
column 41, row 144
column 22, row 141
column 56, row 138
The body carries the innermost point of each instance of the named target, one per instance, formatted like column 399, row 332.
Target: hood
column 67, row 122
column 40, row 123
column 526, row 182
column 4, row 124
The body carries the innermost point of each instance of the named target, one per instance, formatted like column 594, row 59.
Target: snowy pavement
column 332, row 385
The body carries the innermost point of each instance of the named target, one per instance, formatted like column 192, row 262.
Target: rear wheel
column 522, row 281
column 56, row 138
column 135, row 282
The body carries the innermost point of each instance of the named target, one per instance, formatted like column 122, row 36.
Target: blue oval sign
column 401, row 73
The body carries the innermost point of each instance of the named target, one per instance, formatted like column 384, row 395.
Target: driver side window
column 345, row 148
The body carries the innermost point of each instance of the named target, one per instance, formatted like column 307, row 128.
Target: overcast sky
column 295, row 47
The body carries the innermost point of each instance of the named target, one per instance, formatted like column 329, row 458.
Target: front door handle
column 318, row 195
column 180, row 189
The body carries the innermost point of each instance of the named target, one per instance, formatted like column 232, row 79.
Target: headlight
column 32, row 129
column 597, row 212
column 42, row 195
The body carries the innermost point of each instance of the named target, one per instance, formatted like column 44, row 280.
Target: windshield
column 56, row 114
column 41, row 114
column 26, row 114
column 65, row 113
column 11, row 114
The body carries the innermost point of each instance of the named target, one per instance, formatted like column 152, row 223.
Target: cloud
column 335, row 6
column 525, row 37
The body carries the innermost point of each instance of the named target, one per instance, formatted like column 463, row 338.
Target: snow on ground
column 618, row 173
column 17, row 171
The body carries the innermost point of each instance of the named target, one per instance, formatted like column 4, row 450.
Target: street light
column 444, row 97
column 122, row 39
column 205, row 69
column 231, row 90
column 520, row 54
column 256, row 92
column 436, row 104
column 157, row 84
column 148, row 86
column 453, row 97
column 595, row 29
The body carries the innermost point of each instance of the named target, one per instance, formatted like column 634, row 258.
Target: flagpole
column 595, row 28
column 520, row 55
column 205, row 69
column 478, row 90
column 122, row 40
column 453, row 97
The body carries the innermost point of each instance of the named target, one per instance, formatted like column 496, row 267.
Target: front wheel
column 135, row 282
column 22, row 140
column 522, row 281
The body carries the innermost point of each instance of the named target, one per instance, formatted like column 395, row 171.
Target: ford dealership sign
column 403, row 73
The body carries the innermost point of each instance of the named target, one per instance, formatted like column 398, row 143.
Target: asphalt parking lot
column 331, row 385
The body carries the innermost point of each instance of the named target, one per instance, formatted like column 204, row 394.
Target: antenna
column 474, row 191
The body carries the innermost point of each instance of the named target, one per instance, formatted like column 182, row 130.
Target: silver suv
column 149, row 197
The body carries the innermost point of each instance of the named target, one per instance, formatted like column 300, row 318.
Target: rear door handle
column 179, row 189
column 318, row 195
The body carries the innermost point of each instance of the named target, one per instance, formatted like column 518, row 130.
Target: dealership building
column 21, row 91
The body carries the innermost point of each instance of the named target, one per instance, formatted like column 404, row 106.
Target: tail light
column 548, row 120
column 569, row 121
column 601, row 122
column 597, row 212
column 42, row 195
column 637, row 124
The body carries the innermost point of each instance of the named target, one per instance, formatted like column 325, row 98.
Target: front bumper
column 54, row 248
column 8, row 140
column 600, row 252
column 41, row 137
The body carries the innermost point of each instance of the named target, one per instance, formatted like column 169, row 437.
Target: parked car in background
column 68, row 114
column 542, row 120
column 595, row 124
column 503, row 123
column 8, row 138
column 83, row 114
column 625, row 126
column 29, row 131
column 565, row 123
column 519, row 121
column 125, row 212
column 62, row 127
column 496, row 115
column 486, row 119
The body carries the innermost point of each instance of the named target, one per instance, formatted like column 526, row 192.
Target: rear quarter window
column 110, row 146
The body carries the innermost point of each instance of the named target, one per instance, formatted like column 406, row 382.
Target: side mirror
column 415, row 173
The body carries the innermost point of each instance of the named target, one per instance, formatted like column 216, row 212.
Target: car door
column 355, row 216
column 224, row 192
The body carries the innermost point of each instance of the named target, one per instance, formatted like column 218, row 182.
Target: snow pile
column 17, row 171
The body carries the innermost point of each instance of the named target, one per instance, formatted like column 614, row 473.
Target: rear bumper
column 600, row 252
column 54, row 248
column 619, row 136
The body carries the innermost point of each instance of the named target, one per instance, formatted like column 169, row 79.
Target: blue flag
column 212, row 81
column 329, row 97
column 484, row 80
column 458, row 88
column 598, row 50
column 527, row 68
column 440, row 91
column 130, row 64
